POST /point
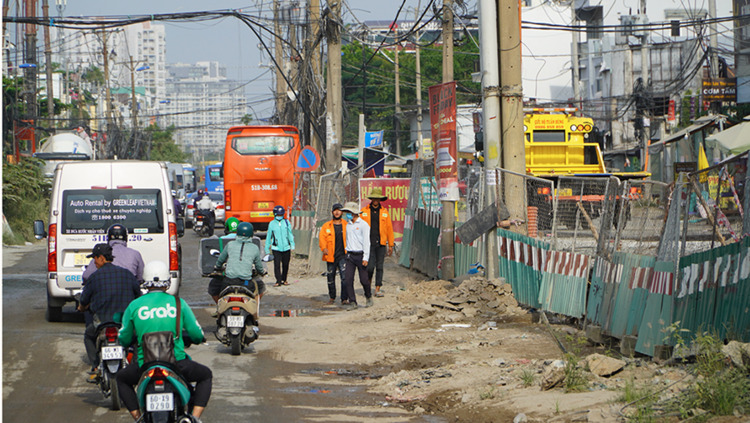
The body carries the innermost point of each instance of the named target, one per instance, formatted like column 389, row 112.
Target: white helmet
column 156, row 275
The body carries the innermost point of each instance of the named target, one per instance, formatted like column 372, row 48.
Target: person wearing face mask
column 280, row 240
column 332, row 243
column 357, row 255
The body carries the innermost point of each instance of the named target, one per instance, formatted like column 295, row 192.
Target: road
column 44, row 366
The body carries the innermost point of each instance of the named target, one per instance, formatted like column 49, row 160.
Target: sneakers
column 349, row 306
column 378, row 294
column 331, row 301
column 93, row 378
column 369, row 302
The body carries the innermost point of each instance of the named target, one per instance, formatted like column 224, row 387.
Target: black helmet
column 117, row 231
column 245, row 229
column 278, row 211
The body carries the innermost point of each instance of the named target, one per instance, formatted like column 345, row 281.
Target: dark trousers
column 210, row 220
column 353, row 264
column 377, row 259
column 89, row 341
column 128, row 377
column 281, row 264
column 339, row 265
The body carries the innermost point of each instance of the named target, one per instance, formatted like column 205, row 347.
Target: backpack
column 159, row 346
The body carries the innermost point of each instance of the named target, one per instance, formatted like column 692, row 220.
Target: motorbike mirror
column 267, row 258
column 214, row 252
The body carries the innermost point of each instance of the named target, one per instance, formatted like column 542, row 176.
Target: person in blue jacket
column 280, row 240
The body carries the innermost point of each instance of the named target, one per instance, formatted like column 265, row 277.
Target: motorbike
column 237, row 319
column 201, row 223
column 112, row 358
column 164, row 396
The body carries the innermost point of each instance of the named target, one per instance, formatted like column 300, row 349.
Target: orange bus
column 259, row 165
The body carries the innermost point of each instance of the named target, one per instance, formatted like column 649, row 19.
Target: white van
column 87, row 198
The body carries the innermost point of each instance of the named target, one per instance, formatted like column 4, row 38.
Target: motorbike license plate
column 235, row 321
column 160, row 402
column 111, row 353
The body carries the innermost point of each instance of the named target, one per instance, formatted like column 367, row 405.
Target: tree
column 163, row 147
column 247, row 119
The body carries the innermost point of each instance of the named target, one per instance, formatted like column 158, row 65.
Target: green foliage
column 163, row 147
column 94, row 75
column 575, row 379
column 377, row 85
column 632, row 392
column 528, row 377
column 489, row 393
column 246, row 119
column 25, row 197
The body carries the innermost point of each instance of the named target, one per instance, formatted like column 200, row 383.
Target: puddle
column 290, row 313
column 341, row 372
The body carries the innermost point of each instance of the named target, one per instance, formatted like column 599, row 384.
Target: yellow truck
column 558, row 143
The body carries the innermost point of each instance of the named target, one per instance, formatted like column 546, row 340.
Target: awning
column 736, row 139
column 699, row 124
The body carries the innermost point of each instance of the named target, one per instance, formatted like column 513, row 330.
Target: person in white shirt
column 207, row 207
column 357, row 255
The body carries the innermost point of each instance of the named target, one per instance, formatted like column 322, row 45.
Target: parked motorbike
column 201, row 223
column 112, row 359
column 164, row 396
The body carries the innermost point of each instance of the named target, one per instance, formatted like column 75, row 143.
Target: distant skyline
column 234, row 46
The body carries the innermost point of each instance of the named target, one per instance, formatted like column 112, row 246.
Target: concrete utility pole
column 397, row 116
column 29, row 74
column 107, row 98
column 280, row 84
column 420, row 138
column 133, row 103
column 644, row 80
column 490, row 112
column 514, row 153
column 333, row 96
column 448, row 221
column 314, row 13
column 713, row 41
column 48, row 67
column 574, row 56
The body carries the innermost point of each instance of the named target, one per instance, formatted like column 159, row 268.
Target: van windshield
column 89, row 211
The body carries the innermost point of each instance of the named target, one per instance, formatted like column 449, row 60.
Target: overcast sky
column 235, row 46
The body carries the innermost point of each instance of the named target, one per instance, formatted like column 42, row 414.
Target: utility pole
column 280, row 84
column 713, row 41
column 333, row 97
column 48, row 67
column 644, row 84
column 448, row 214
column 514, row 152
column 314, row 57
column 490, row 62
column 29, row 74
column 107, row 99
column 133, row 103
column 397, row 116
column 420, row 138
column 574, row 57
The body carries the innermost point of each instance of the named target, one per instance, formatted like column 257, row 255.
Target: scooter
column 164, row 396
column 201, row 224
column 237, row 320
column 112, row 359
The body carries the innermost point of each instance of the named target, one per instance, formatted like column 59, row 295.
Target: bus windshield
column 262, row 145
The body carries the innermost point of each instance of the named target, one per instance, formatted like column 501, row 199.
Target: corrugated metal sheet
column 425, row 251
column 404, row 258
column 564, row 283
column 657, row 315
column 522, row 261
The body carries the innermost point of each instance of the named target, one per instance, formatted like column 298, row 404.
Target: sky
column 235, row 46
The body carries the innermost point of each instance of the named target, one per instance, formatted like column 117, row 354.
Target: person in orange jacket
column 381, row 235
column 332, row 242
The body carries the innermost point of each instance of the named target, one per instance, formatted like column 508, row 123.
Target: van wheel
column 54, row 314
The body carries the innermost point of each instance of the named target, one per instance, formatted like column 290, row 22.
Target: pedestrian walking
column 280, row 240
column 357, row 255
column 381, row 236
column 332, row 242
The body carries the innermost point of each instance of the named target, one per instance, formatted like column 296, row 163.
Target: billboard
column 443, row 126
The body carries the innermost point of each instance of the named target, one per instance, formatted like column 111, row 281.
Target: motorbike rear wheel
column 114, row 393
column 236, row 344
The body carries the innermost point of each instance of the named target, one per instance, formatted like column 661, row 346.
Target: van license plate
column 235, row 321
column 111, row 353
column 80, row 259
column 160, row 402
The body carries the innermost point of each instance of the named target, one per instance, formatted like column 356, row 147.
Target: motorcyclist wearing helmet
column 125, row 257
column 156, row 312
column 241, row 256
column 230, row 229
column 108, row 291
column 280, row 240
column 207, row 208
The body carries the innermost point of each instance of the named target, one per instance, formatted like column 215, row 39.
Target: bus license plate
column 80, row 259
column 160, row 402
column 263, row 206
column 235, row 321
column 111, row 353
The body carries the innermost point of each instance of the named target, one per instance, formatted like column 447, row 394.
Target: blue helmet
column 279, row 211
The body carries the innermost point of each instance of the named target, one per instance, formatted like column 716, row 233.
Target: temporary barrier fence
column 303, row 210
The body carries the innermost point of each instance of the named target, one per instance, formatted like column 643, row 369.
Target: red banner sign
column 443, row 124
column 397, row 191
column 671, row 113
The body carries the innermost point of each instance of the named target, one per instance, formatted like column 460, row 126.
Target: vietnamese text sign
column 397, row 191
column 374, row 139
column 720, row 89
column 443, row 125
